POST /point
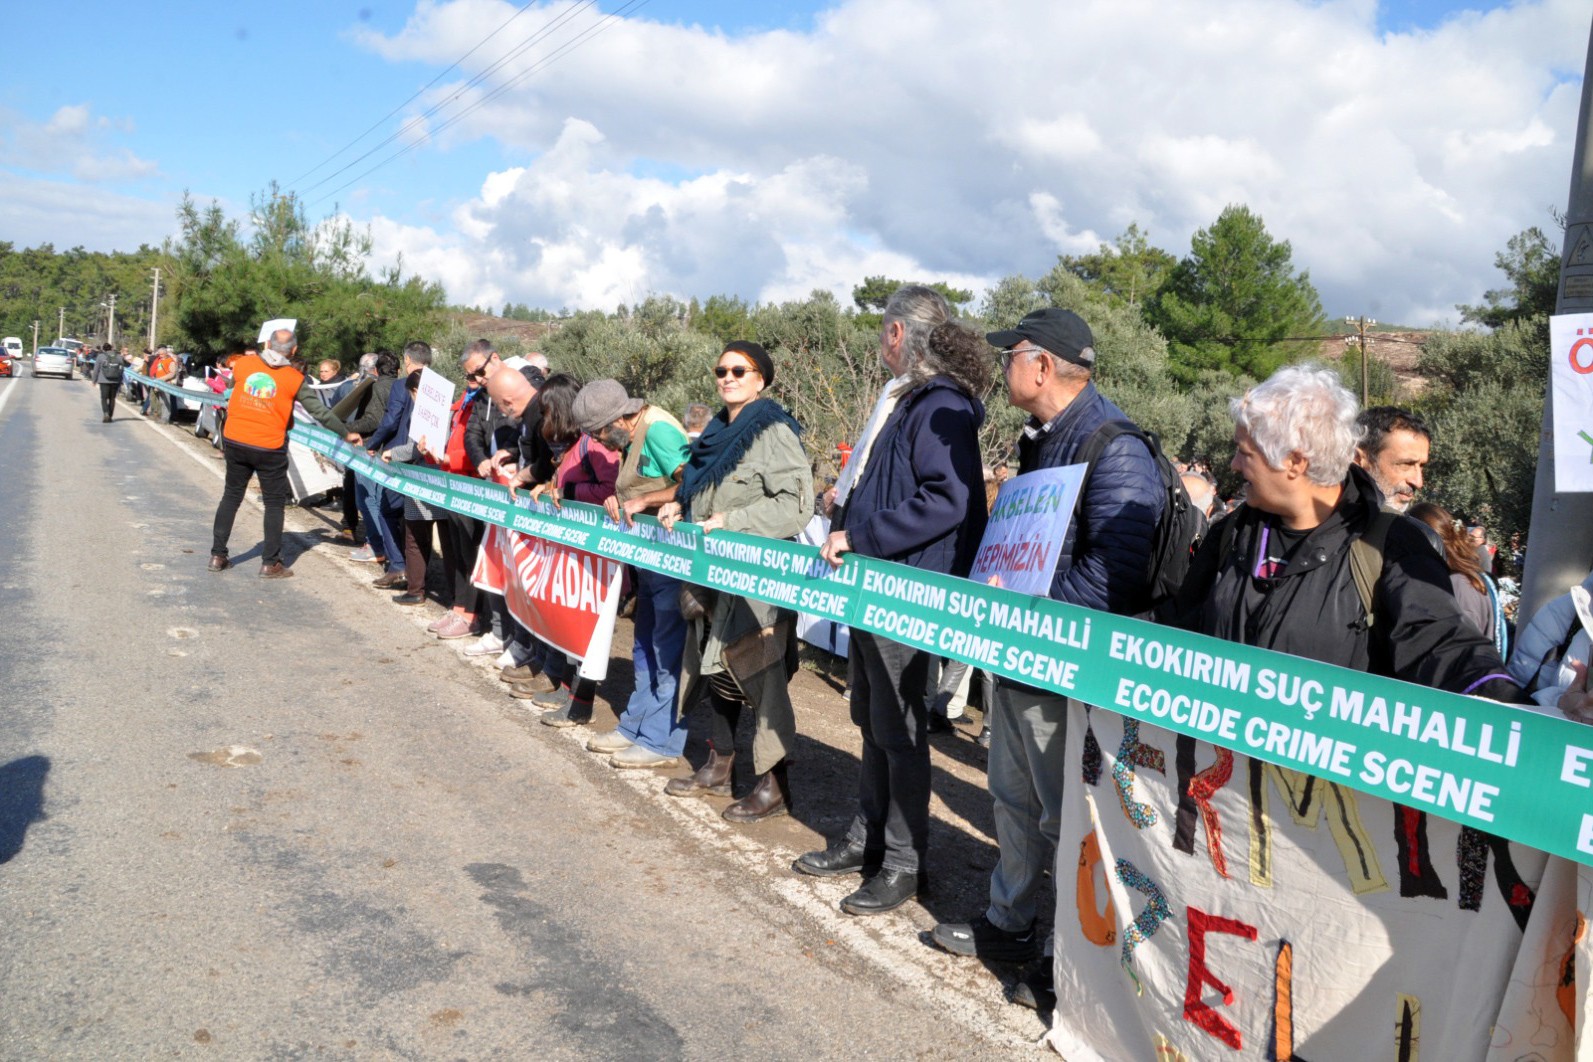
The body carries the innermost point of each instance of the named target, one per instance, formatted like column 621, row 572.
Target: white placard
column 430, row 420
column 289, row 323
column 1027, row 527
column 1571, row 382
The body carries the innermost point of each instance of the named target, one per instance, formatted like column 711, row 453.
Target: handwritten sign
column 1027, row 528
column 430, row 421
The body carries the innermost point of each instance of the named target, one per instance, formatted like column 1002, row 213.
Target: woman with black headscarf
column 747, row 472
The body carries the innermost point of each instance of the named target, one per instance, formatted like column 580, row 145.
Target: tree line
column 1177, row 336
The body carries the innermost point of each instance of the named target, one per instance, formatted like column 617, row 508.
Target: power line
column 378, row 123
column 420, row 119
column 562, row 50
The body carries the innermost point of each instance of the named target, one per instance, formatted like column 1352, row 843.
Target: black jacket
column 1314, row 610
column 368, row 417
column 489, row 430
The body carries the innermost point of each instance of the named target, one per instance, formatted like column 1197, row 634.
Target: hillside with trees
column 1177, row 336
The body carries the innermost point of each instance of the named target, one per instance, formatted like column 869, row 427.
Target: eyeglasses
column 738, row 371
column 479, row 374
column 1012, row 352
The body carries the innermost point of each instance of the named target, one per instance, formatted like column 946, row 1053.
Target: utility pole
column 1361, row 324
column 154, row 308
column 60, row 327
column 1560, row 538
column 110, row 331
column 35, row 338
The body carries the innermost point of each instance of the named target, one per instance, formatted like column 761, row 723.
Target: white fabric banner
column 1268, row 915
column 1571, row 383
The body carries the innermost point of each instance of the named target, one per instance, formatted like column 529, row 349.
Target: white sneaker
column 635, row 756
column 609, row 742
column 505, row 659
column 488, row 644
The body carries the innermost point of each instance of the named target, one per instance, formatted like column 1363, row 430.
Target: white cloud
column 45, row 211
column 918, row 140
column 73, row 140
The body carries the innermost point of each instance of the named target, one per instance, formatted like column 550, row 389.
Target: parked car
column 53, row 361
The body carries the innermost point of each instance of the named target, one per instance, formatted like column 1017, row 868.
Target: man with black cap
column 650, row 731
column 1104, row 563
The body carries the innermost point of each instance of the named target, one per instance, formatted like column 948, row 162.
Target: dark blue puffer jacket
column 921, row 500
column 1106, row 556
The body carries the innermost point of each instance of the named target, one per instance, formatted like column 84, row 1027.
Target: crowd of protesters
column 1315, row 558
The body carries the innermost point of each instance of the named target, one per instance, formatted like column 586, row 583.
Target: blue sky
column 220, row 99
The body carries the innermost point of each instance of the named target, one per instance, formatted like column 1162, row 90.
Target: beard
column 616, row 439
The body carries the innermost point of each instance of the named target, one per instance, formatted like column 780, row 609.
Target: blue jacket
column 395, row 420
column 921, row 500
column 1105, row 558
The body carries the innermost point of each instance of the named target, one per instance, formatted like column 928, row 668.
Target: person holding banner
column 1277, row 572
column 913, row 492
column 259, row 414
column 655, row 448
column 1104, row 563
column 747, row 473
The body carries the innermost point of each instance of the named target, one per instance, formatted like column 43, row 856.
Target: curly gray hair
column 1302, row 409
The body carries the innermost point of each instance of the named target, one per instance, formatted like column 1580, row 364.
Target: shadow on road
column 21, row 801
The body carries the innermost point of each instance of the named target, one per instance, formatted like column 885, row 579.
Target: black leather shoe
column 886, row 891
column 939, row 724
column 842, row 857
column 409, row 599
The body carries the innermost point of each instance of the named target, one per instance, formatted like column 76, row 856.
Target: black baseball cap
column 1060, row 332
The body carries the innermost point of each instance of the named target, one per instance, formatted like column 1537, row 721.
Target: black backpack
column 1181, row 525
column 110, row 367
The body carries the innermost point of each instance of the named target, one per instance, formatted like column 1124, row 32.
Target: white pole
column 110, row 332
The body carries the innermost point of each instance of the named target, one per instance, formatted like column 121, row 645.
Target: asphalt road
column 252, row 819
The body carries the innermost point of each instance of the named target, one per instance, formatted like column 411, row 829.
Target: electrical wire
column 420, row 119
column 592, row 31
column 421, row 91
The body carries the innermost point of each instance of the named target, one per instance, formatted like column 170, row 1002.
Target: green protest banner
column 1513, row 772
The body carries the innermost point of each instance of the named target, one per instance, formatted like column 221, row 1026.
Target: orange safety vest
column 261, row 406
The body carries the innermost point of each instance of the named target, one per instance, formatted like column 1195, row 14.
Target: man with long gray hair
column 913, row 493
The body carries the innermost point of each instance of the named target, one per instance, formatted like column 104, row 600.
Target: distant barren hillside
column 1397, row 350
column 488, row 326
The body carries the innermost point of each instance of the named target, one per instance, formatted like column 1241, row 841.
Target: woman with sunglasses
column 747, row 472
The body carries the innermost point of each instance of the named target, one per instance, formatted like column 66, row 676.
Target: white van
column 13, row 346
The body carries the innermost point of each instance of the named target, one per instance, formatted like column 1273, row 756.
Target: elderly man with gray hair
column 913, row 493
column 1277, row 573
column 259, row 413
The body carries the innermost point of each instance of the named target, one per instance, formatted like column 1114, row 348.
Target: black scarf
column 722, row 445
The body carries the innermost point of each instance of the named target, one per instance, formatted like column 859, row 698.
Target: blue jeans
column 650, row 718
column 379, row 532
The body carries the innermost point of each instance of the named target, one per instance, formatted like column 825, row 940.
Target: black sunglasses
column 738, row 371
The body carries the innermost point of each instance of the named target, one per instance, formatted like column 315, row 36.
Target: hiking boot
column 1036, row 989
column 712, row 778
column 391, row 580
column 520, row 673
column 770, row 797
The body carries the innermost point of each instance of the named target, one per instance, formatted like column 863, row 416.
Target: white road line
column 5, row 396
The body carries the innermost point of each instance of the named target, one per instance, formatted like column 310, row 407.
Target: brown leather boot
column 770, row 797
column 712, row 778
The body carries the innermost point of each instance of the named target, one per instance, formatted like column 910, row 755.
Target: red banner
column 566, row 597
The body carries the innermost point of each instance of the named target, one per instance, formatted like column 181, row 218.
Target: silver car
column 53, row 361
